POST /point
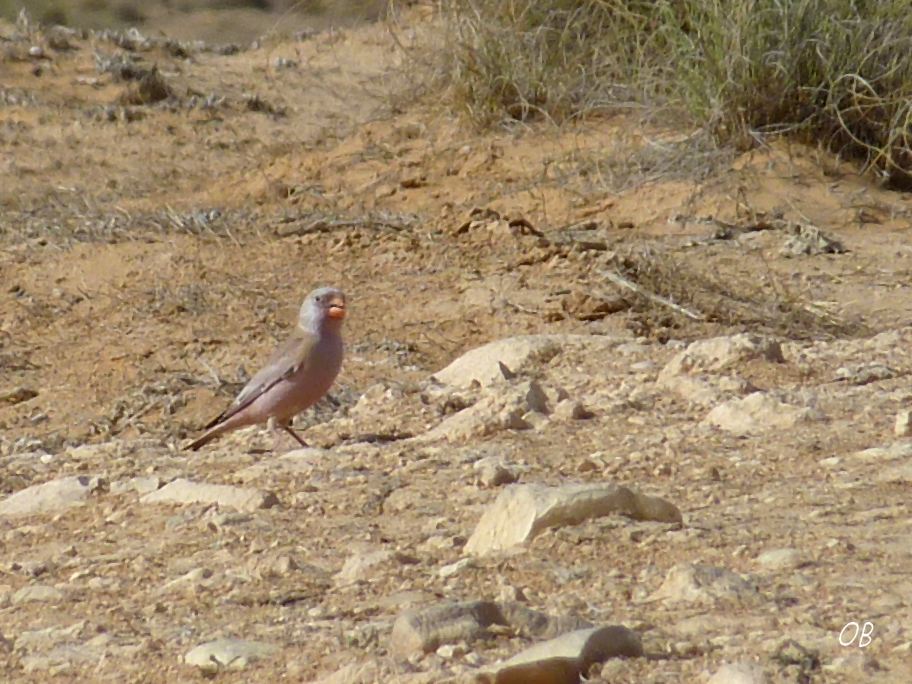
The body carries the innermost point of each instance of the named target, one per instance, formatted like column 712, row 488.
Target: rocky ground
column 615, row 403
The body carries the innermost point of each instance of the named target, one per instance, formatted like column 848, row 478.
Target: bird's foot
column 294, row 434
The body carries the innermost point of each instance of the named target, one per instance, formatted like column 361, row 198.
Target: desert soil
column 154, row 250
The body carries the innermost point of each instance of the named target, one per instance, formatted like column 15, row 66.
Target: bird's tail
column 204, row 439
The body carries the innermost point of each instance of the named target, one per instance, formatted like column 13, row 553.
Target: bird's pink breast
column 301, row 390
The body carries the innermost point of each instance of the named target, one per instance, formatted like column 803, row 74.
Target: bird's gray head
column 323, row 310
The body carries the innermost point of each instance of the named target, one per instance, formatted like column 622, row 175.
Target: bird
column 296, row 376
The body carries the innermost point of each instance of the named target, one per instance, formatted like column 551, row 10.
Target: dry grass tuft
column 558, row 59
column 836, row 71
column 702, row 296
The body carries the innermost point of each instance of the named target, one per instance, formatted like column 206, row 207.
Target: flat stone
column 738, row 673
column 521, row 512
column 782, row 559
column 362, row 566
column 892, row 452
column 704, row 584
column 564, row 659
column 492, row 472
column 756, row 413
column 295, row 462
column 305, row 458
column 901, row 473
column 502, row 360
column 44, row 639
column 568, row 409
column 706, row 390
column 456, row 568
column 37, row 593
column 498, row 360
column 719, row 353
column 502, row 408
column 60, row 657
column 227, row 653
column 197, row 576
column 425, row 630
column 902, row 427
column 140, row 485
column 182, row 491
column 51, row 496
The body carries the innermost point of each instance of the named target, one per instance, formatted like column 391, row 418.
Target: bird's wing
column 285, row 361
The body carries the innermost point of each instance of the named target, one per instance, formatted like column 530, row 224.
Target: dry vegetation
column 832, row 72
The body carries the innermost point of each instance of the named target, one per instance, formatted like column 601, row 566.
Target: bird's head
column 324, row 309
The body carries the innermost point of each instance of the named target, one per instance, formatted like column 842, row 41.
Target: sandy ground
column 153, row 253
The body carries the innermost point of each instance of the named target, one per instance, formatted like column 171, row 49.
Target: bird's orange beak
column 336, row 309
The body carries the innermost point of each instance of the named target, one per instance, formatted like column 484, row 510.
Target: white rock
column 305, row 457
column 719, row 353
column 61, row 657
column 51, row 496
column 739, row 673
column 901, row 472
column 699, row 583
column 231, row 653
column 292, row 463
column 197, row 576
column 376, row 397
column 362, row 566
column 183, row 491
column 141, row 485
column 501, row 408
column 755, row 414
column 86, row 453
column 568, row 409
column 492, row 472
column 450, row 651
column 522, row 511
column 37, row 593
column 706, row 390
column 104, row 452
column 535, row 420
column 891, row 452
column 44, row 639
column 455, row 568
column 485, row 365
column 504, row 359
column 562, row 660
column 903, row 425
column 782, row 559
column 785, row 558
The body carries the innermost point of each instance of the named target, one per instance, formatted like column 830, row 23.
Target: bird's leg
column 273, row 425
column 294, row 434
